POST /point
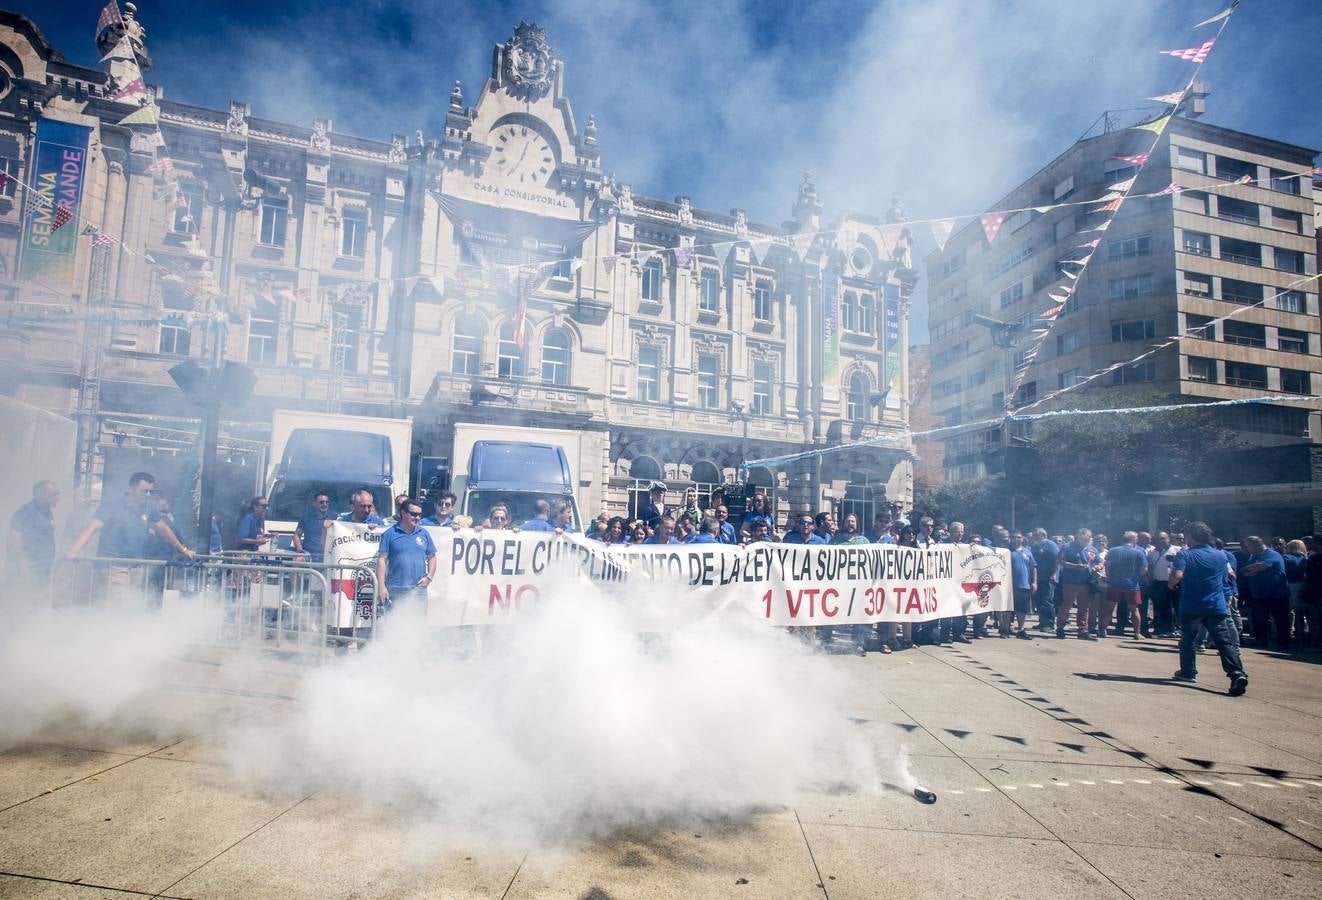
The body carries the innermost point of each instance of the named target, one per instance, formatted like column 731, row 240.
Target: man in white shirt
column 1159, row 568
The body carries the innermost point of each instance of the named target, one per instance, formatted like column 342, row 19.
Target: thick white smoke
column 568, row 725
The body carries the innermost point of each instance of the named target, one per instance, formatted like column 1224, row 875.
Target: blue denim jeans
column 1046, row 603
column 1221, row 629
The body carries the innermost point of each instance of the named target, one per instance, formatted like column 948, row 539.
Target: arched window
column 644, row 468
column 555, row 357
column 856, row 401
column 509, row 355
column 849, row 312
column 466, row 349
column 865, row 314
column 707, row 475
column 652, row 280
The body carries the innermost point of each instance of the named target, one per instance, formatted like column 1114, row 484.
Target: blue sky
column 946, row 104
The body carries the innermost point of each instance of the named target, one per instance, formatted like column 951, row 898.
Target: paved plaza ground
column 1063, row 769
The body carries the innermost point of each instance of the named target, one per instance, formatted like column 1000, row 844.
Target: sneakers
column 1024, row 636
column 1238, row 685
column 961, row 639
column 1060, row 633
column 1180, row 676
column 1085, row 636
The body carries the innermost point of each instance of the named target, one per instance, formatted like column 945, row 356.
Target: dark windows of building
column 274, row 221
column 263, row 329
column 709, row 291
column 1197, row 242
column 1069, row 378
column 1289, row 260
column 652, row 280
column 1027, row 393
column 187, row 211
column 947, row 387
column 9, row 167
column 1134, row 374
column 856, row 400
column 866, row 314
column 1236, row 210
column 1200, row 327
column 1271, row 420
column 1131, row 287
column 1192, row 201
column 1202, row 368
column 176, row 337
column 1245, row 334
column 849, row 311
column 1292, row 341
column 555, row 357
column 1196, row 284
column 1130, row 247
column 762, row 301
column 709, row 381
column 466, row 347
column 1295, row 382
column 1133, row 331
column 509, row 355
column 649, row 373
column 1288, row 220
column 1232, row 169
column 1235, row 291
column 353, row 233
column 1286, row 182
column 1068, row 343
column 762, row 389
column 1246, row 375
column 1013, row 294
column 1247, row 253
column 1291, row 301
column 1190, row 160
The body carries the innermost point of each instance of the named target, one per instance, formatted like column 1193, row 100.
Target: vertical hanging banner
column 59, row 165
column 890, row 337
column 830, row 326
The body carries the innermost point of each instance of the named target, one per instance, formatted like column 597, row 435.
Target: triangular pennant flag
column 941, row 229
column 1219, row 16
column 684, row 252
column 759, row 248
column 722, row 251
column 1091, row 245
column 1052, row 311
column 1173, row 99
column 991, row 225
column 1156, row 126
column 1042, row 210
column 63, row 216
column 1137, row 159
column 608, row 263
column 1192, row 54
column 109, row 16
column 1108, row 207
column 1122, row 186
column 1100, row 227
column 135, row 88
column 145, row 115
column 1171, row 188
column 102, row 239
column 1243, row 179
column 1071, row 275
column 888, row 235
column 802, row 243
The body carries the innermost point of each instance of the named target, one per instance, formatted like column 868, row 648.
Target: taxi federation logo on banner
column 985, row 581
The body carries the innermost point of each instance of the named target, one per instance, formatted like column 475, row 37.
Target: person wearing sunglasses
column 406, row 558
column 443, row 515
column 252, row 527
column 310, row 535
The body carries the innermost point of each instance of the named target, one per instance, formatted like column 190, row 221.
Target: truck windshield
column 521, row 505
column 291, row 499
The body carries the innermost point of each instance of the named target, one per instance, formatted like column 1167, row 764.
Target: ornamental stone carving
column 526, row 62
column 320, row 138
column 397, row 154
column 237, row 123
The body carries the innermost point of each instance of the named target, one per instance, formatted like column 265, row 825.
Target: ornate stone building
column 393, row 277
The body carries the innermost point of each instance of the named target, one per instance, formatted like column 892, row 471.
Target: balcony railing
column 1245, row 341
column 1236, row 217
column 1241, row 258
column 1259, row 383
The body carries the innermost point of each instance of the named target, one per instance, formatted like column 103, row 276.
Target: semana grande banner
column 58, row 169
column 890, row 337
column 830, row 326
column 489, row 577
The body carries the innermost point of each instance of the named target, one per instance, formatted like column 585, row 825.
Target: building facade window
column 652, row 281
column 1068, row 378
column 1135, row 374
column 1286, row 182
column 649, row 374
column 1130, row 288
column 466, row 347
column 9, row 184
column 175, row 339
column 709, row 381
column 856, row 399
column 1200, row 327
column 1246, row 375
column 509, row 355
column 849, row 311
column 1197, row 284
column 1233, row 209
column 1013, row 294
column 1291, row 301
column 1235, row 291
column 866, row 314
column 1190, row 160
column 1129, row 248
column 762, row 389
column 263, row 329
column 353, row 233
column 1295, row 382
column 1245, row 334
column 1133, row 331
column 1246, row 253
column 555, row 357
column 1197, row 242
column 709, row 291
column 1068, row 343
column 344, row 338
column 762, row 301
column 274, row 221
column 1202, row 369
column 1289, row 260
column 1291, row 341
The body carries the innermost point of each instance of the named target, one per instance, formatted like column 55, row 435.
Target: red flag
column 1193, row 54
column 991, row 225
column 63, row 216
column 6, row 180
column 132, row 89
column 1137, row 159
column 109, row 16
column 102, row 238
column 1171, row 188
column 1109, row 207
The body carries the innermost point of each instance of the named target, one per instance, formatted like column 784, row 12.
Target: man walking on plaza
column 1201, row 574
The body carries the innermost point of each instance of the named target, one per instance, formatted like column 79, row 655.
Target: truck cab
column 518, row 474
column 330, row 461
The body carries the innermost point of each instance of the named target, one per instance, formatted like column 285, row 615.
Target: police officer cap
column 657, row 486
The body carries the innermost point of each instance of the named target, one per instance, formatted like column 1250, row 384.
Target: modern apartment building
column 1167, row 265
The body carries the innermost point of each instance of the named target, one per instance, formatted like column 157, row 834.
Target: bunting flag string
column 143, row 115
column 1193, row 54
column 1156, row 126
column 1219, row 16
column 991, row 224
column 721, row 250
column 1138, row 159
column 941, row 229
column 1175, row 98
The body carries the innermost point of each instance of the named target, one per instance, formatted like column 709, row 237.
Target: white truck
column 337, row 454
column 517, row 466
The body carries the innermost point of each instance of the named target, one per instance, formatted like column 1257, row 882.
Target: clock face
column 520, row 155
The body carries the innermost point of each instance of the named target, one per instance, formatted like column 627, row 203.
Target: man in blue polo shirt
column 406, row 559
column 541, row 517
column 760, row 512
column 125, row 522
column 251, row 534
column 443, row 515
column 708, row 532
column 360, row 509
column 310, row 533
column 804, row 531
column 32, row 537
column 1046, row 559
column 1263, row 573
column 665, row 532
column 1126, row 566
column 1076, row 563
column 1200, row 572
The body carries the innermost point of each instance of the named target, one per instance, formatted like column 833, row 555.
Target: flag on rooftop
column 109, row 16
column 134, row 88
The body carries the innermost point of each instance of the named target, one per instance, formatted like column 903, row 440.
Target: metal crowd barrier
column 256, row 601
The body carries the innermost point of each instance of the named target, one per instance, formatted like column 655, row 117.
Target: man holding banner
column 406, row 560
